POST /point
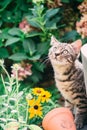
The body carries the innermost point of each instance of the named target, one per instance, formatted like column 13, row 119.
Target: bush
column 27, row 26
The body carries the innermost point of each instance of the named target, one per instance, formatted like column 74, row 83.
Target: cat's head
column 63, row 53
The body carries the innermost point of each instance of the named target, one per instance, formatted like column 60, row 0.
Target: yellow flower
column 38, row 91
column 35, row 108
column 45, row 97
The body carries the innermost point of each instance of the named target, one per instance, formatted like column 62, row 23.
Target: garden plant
column 27, row 88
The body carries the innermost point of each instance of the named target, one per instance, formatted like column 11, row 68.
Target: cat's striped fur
column 69, row 77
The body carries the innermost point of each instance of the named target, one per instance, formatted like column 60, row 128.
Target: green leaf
column 34, row 127
column 2, row 126
column 1, row 44
column 35, row 57
column 33, row 22
column 12, row 40
column 53, row 23
column 10, row 124
column 3, row 53
column 33, row 34
column 18, row 57
column 1, row 23
column 29, row 46
column 43, row 48
column 5, row 4
column 4, row 34
column 65, row 1
column 51, row 12
column 3, row 110
column 80, row 0
column 70, row 36
column 36, row 76
column 39, row 66
column 3, row 119
column 14, row 32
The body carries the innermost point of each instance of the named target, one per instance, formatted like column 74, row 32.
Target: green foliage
column 26, row 27
column 73, row 35
column 17, row 45
column 13, row 106
column 68, row 1
column 32, row 45
column 34, row 127
column 14, row 103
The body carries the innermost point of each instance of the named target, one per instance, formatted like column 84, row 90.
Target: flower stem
column 27, row 114
column 17, row 90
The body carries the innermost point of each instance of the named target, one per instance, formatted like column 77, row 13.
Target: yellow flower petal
column 46, row 96
column 35, row 109
column 38, row 91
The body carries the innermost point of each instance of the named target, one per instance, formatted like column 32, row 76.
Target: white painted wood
column 84, row 62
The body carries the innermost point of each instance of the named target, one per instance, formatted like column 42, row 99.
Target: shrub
column 27, row 26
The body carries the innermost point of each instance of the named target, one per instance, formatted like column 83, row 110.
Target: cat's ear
column 77, row 46
column 54, row 41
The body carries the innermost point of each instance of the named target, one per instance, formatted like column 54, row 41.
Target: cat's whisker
column 46, row 61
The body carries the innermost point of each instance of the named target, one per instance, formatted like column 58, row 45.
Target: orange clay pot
column 59, row 119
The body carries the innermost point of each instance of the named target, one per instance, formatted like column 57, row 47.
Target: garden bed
column 27, row 83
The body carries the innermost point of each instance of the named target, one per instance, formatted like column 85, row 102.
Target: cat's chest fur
column 68, row 82
column 64, row 88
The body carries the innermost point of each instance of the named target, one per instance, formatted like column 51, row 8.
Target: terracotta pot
column 59, row 119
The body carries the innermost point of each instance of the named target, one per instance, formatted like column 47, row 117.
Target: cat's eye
column 55, row 48
column 65, row 52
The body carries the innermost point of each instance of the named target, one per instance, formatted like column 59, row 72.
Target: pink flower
column 83, row 7
column 81, row 26
column 25, row 26
column 22, row 71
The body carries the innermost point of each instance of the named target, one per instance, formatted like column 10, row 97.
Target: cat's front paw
column 79, row 123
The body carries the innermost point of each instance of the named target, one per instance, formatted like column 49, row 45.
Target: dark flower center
column 36, row 107
column 38, row 91
column 44, row 95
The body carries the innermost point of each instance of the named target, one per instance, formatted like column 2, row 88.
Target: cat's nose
column 57, row 54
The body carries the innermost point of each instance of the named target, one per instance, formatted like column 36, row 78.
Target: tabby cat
column 69, row 77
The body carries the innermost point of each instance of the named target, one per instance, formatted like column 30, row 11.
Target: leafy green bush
column 26, row 27
column 22, row 109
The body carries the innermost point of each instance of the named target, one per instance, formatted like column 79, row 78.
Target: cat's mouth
column 56, row 57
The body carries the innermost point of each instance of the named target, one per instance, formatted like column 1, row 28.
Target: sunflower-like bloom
column 45, row 96
column 38, row 91
column 35, row 108
column 35, row 100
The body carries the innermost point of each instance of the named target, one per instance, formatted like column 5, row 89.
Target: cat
column 69, row 77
